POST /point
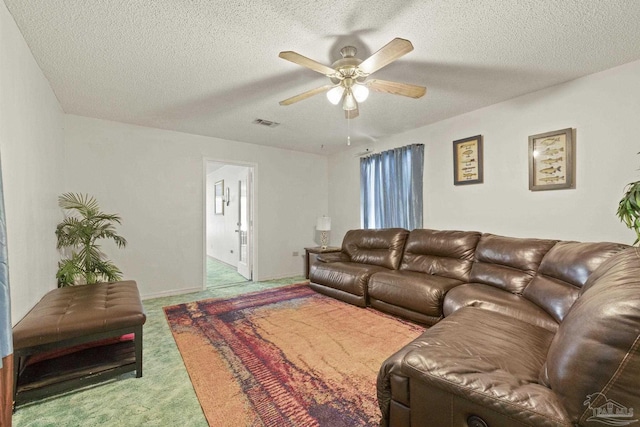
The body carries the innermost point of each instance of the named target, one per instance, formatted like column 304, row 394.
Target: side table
column 311, row 254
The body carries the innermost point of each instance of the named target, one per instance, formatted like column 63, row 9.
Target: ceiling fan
column 349, row 84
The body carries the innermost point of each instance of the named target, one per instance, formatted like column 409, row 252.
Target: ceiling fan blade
column 387, row 54
column 296, row 58
column 351, row 114
column 305, row 95
column 395, row 88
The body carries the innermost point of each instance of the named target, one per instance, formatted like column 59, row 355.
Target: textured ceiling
column 212, row 67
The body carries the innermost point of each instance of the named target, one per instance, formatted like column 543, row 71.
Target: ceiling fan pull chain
column 348, row 131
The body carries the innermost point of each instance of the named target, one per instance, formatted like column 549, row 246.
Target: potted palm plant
column 629, row 208
column 84, row 225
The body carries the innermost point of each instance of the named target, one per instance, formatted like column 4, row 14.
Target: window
column 391, row 188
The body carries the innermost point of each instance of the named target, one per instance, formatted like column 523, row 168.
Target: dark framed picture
column 551, row 160
column 218, row 208
column 467, row 161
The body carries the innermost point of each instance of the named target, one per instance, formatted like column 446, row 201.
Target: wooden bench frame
column 21, row 357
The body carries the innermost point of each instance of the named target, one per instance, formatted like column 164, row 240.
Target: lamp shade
column 335, row 95
column 360, row 92
column 349, row 102
column 323, row 223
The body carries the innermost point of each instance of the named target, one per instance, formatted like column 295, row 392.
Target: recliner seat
column 364, row 252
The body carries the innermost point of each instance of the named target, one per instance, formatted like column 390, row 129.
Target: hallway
column 221, row 275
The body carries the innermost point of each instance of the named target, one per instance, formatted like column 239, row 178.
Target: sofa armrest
column 468, row 364
column 333, row 257
column 501, row 402
column 392, row 384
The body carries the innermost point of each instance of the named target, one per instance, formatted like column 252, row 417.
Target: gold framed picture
column 467, row 161
column 551, row 160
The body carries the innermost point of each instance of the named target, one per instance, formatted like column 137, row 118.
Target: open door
column 245, row 223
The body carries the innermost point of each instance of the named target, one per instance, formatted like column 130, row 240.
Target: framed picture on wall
column 551, row 160
column 467, row 161
column 218, row 208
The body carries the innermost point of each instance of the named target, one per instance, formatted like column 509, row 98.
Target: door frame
column 248, row 262
column 253, row 229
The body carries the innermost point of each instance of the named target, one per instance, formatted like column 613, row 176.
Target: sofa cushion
column 349, row 278
column 563, row 271
column 491, row 298
column 417, row 292
column 489, row 359
column 441, row 252
column 476, row 342
column 508, row 263
column 594, row 358
column 381, row 247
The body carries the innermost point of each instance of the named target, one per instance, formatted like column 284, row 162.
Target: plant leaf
column 82, row 227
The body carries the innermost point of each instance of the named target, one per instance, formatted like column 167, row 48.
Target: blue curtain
column 391, row 188
column 6, row 335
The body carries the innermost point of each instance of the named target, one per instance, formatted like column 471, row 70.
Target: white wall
column 155, row 180
column 222, row 239
column 31, row 151
column 604, row 108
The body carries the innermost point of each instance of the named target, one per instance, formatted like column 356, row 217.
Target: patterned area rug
column 286, row 357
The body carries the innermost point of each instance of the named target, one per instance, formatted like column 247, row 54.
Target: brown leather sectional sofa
column 523, row 332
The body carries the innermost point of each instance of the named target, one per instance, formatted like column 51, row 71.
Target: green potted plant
column 83, row 226
column 629, row 208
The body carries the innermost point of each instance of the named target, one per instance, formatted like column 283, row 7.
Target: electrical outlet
column 296, row 253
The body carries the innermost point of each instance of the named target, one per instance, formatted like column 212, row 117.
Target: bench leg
column 138, row 349
column 17, row 362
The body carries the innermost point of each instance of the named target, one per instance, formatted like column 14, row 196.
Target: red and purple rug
column 286, row 357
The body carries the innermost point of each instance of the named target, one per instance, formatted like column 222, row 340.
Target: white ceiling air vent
column 265, row 123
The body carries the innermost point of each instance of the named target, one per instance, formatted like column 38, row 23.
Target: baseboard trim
column 279, row 277
column 171, row 293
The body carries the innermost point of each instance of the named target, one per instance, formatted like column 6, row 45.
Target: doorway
column 229, row 225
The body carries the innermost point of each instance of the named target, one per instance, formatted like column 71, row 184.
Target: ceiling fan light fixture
column 334, row 95
column 360, row 92
column 349, row 102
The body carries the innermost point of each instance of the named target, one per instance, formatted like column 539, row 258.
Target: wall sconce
column 227, row 198
column 323, row 225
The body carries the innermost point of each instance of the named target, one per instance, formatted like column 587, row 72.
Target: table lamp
column 323, row 225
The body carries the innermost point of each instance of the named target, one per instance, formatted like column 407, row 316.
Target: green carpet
column 220, row 274
column 163, row 397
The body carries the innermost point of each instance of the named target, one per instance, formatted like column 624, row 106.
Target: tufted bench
column 76, row 336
